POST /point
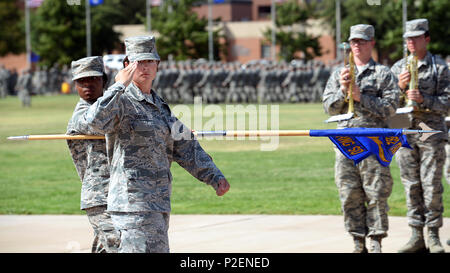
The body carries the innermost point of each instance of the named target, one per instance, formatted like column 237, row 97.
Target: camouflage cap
column 87, row 67
column 141, row 48
column 361, row 31
column 415, row 28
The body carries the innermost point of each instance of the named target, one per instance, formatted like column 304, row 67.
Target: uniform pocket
column 142, row 131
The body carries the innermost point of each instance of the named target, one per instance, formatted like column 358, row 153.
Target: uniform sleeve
column 188, row 153
column 79, row 157
column 333, row 98
column 80, row 109
column 385, row 105
column 397, row 69
column 102, row 116
column 439, row 101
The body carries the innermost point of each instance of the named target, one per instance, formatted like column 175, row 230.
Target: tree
column 12, row 29
column 291, row 35
column 387, row 21
column 59, row 31
column 127, row 12
column 182, row 34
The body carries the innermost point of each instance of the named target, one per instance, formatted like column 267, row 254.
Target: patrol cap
column 362, row 31
column 415, row 28
column 141, row 48
column 87, row 67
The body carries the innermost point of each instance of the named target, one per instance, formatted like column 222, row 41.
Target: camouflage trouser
column 447, row 163
column 363, row 190
column 142, row 232
column 106, row 238
column 25, row 98
column 3, row 90
column 421, row 174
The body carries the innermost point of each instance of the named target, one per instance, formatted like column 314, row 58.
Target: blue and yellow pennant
column 359, row 143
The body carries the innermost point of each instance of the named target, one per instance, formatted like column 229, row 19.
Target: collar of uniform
column 137, row 94
column 134, row 92
column 83, row 101
column 370, row 65
column 426, row 61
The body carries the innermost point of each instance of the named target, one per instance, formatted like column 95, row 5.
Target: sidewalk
column 205, row 234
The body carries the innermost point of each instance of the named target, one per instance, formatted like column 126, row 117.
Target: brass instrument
column 351, row 63
column 414, row 81
column 412, row 68
column 349, row 98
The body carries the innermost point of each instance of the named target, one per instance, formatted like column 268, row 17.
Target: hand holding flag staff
column 355, row 143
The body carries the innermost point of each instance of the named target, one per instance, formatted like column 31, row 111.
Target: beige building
column 243, row 23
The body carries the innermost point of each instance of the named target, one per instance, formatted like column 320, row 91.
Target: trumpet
column 414, row 82
column 349, row 98
column 412, row 68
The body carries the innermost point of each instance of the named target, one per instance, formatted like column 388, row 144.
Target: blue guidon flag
column 359, row 143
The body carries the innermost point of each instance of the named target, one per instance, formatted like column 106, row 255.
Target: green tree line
column 59, row 29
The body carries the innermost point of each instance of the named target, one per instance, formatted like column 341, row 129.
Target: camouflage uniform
column 4, row 75
column 421, row 168
column 91, row 162
column 447, row 163
column 144, row 137
column 24, row 87
column 365, row 188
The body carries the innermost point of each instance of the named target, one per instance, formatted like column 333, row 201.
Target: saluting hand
column 224, row 186
column 126, row 75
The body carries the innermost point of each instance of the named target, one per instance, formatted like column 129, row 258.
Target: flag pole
column 274, row 43
column 88, row 29
column 210, row 33
column 240, row 133
column 149, row 15
column 27, row 33
column 55, row 137
column 338, row 29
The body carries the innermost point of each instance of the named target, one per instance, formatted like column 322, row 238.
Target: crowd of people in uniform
column 36, row 81
column 254, row 82
column 181, row 81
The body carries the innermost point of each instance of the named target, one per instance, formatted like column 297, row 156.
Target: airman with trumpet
column 426, row 84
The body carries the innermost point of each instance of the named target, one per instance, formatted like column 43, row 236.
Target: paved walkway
column 205, row 234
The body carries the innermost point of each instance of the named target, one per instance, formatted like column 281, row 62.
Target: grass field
column 38, row 177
